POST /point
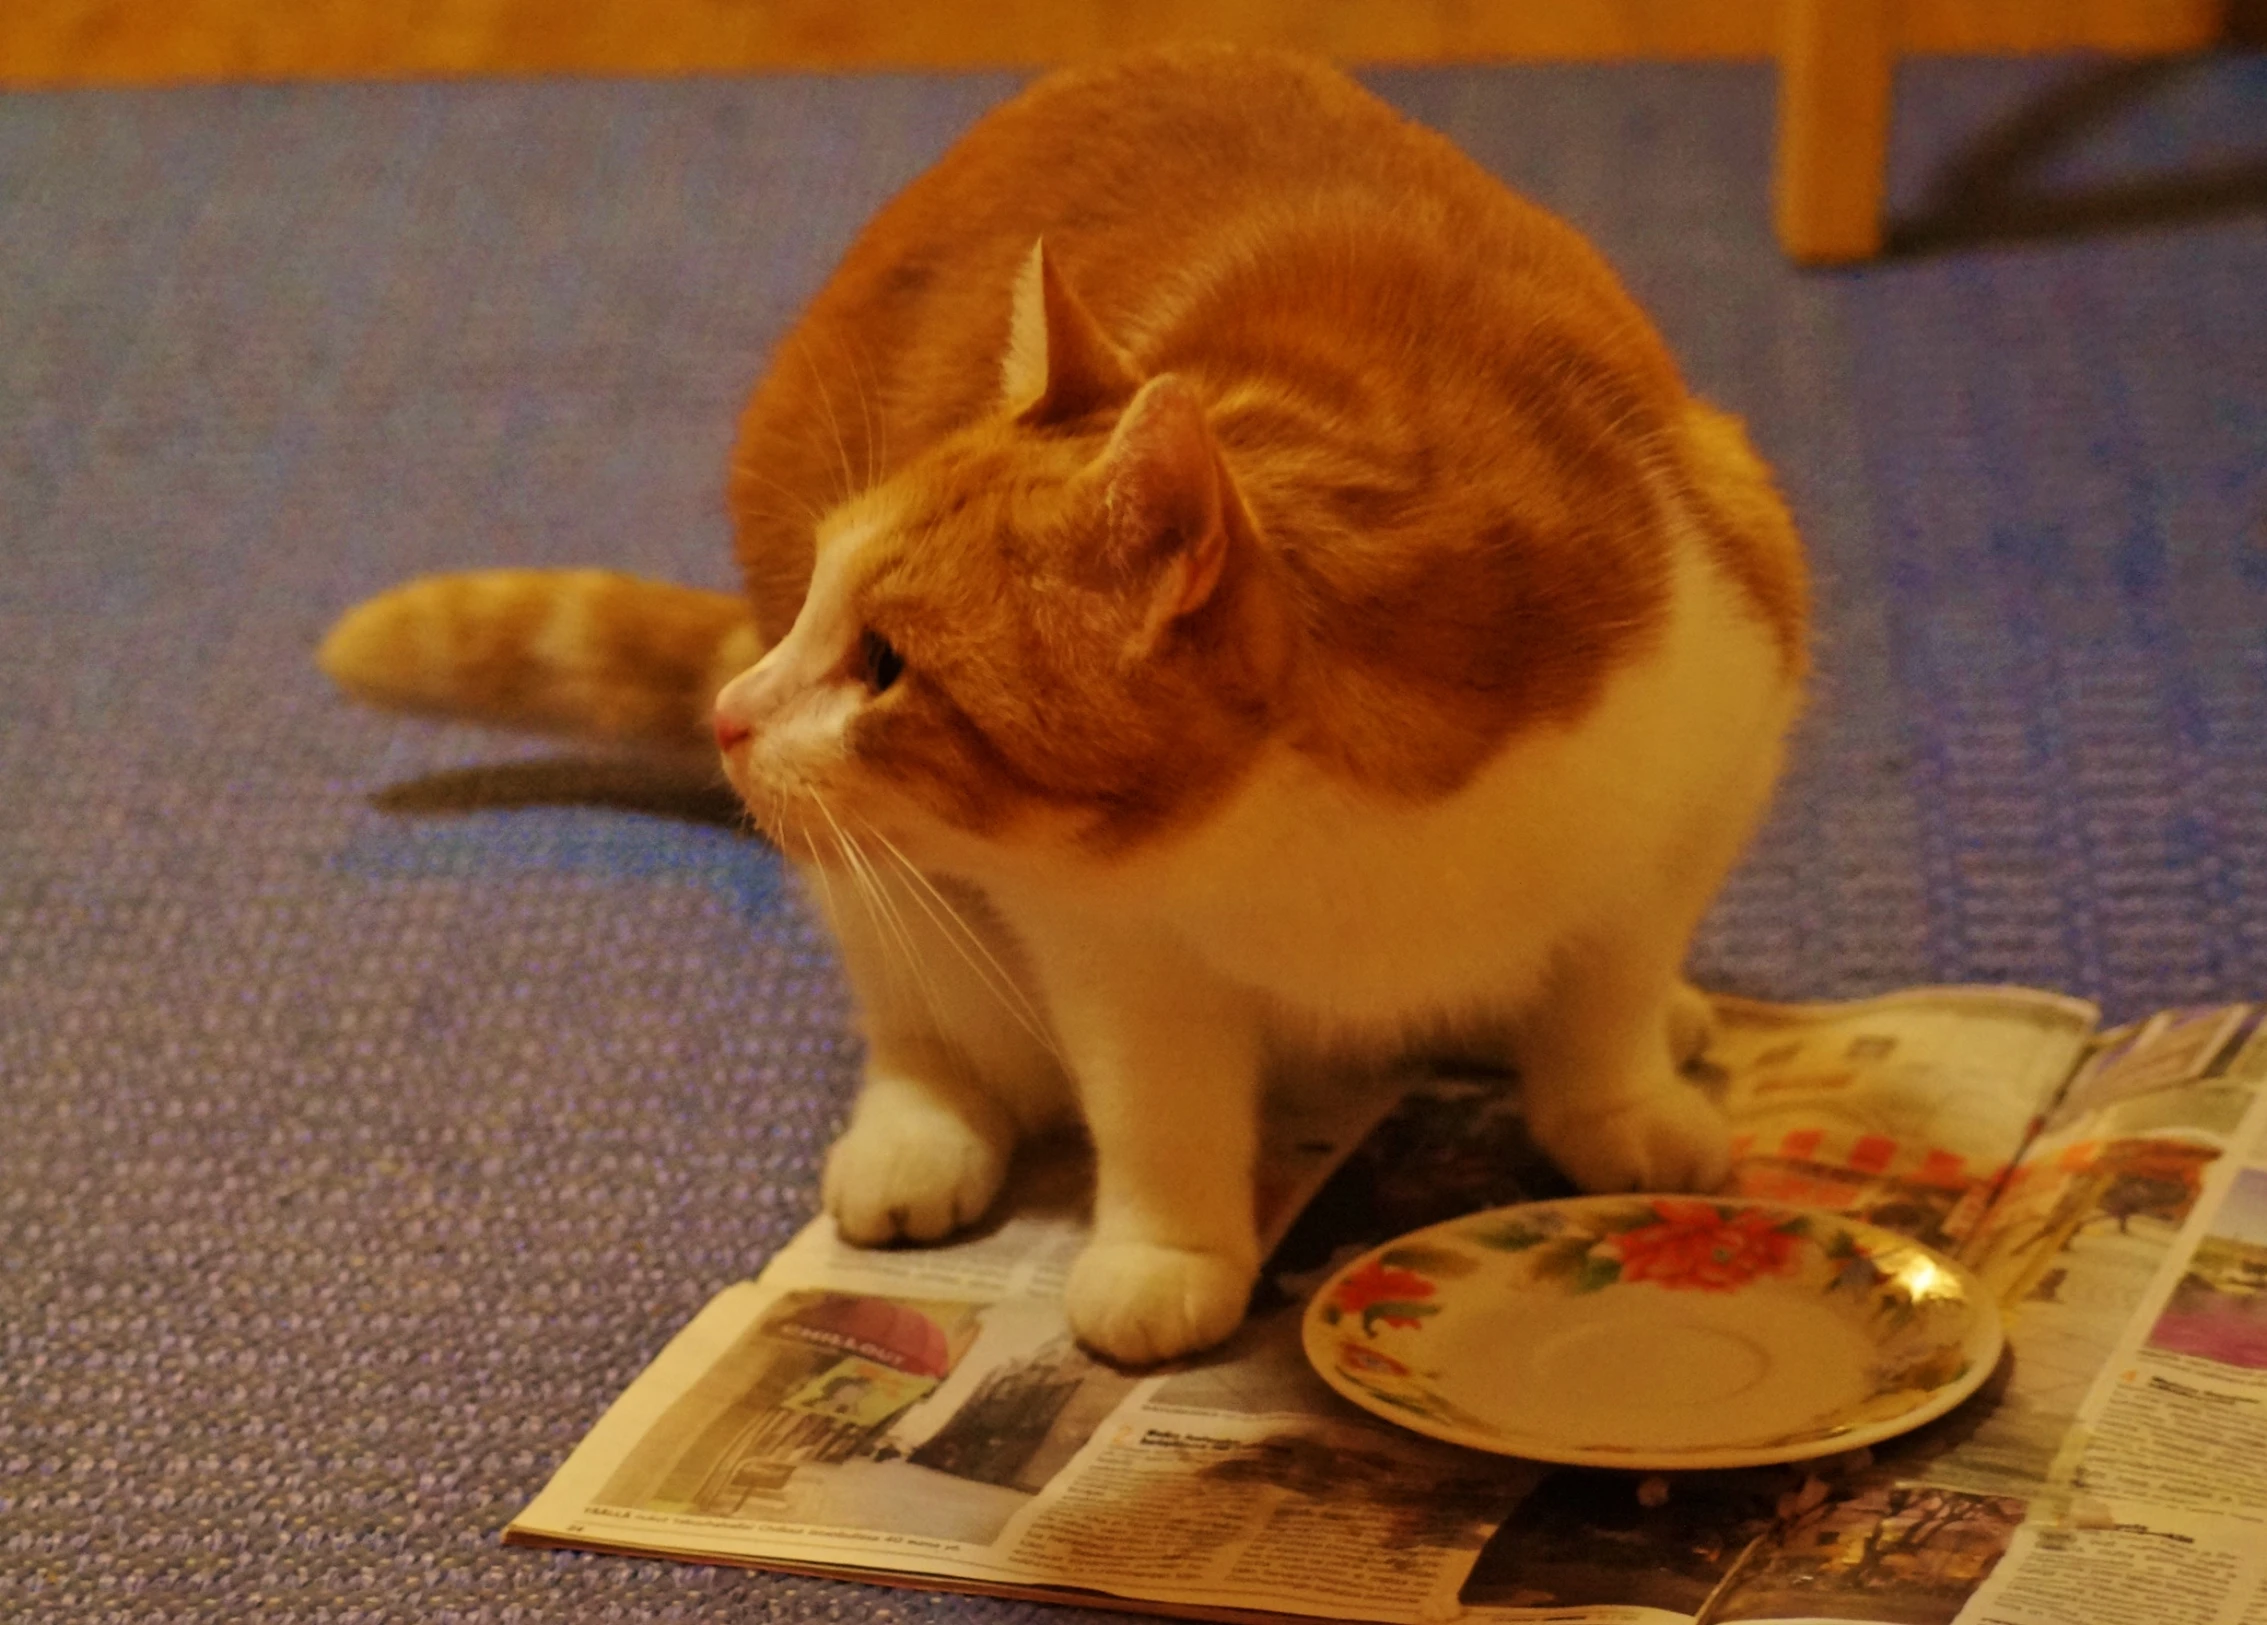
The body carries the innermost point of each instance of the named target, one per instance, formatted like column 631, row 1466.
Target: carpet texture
column 377, row 1097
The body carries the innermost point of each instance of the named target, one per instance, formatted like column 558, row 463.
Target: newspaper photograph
column 922, row 1416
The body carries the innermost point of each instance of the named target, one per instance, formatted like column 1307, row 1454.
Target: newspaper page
column 1994, row 1514
column 1906, row 1111
column 917, row 1413
column 1982, row 1516
column 2088, row 1219
column 2165, row 1517
column 924, row 1416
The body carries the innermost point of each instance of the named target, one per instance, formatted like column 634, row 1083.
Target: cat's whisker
column 885, row 916
column 853, row 352
column 834, row 424
column 826, row 889
column 882, row 426
column 963, row 937
column 885, row 913
column 1011, row 998
column 896, row 960
column 810, row 510
column 859, row 883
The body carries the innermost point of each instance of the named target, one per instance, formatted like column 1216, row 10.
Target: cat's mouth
column 800, row 842
column 793, row 824
column 809, row 826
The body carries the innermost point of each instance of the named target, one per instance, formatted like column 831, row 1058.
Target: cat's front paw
column 1669, row 1138
column 912, row 1173
column 1139, row 1302
column 1692, row 1025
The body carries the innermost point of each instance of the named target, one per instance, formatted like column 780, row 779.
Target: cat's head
column 1052, row 636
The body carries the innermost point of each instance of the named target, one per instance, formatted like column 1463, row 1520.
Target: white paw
column 1692, row 1024
column 1668, row 1138
column 914, row 1172
column 1138, row 1302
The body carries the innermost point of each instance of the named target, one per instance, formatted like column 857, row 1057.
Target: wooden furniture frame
column 1837, row 57
column 1837, row 67
column 1837, row 61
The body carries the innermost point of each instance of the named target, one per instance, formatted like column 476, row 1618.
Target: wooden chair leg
column 1835, row 63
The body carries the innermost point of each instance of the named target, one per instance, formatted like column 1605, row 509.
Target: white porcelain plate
column 1654, row 1332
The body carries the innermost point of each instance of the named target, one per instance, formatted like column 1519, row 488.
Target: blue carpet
column 355, row 1151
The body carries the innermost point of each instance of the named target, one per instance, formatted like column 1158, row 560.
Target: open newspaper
column 923, row 1416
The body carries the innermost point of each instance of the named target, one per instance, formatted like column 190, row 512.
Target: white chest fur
column 1354, row 914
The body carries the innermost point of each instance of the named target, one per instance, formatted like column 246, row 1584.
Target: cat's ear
column 1171, row 517
column 1060, row 364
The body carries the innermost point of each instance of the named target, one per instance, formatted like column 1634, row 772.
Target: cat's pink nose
column 730, row 731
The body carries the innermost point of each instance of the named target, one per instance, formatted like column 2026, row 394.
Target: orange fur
column 585, row 652
column 1236, row 589
column 1437, row 412
column 1451, row 445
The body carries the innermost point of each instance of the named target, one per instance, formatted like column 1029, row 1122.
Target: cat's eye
column 879, row 663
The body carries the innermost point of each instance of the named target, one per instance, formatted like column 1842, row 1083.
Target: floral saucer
column 1654, row 1332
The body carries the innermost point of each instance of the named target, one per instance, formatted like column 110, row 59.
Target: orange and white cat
column 1235, row 589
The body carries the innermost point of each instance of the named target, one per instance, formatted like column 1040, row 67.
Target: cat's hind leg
column 1601, row 1055
column 1692, row 1024
column 958, row 1060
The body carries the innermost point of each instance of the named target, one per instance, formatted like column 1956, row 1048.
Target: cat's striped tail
column 588, row 653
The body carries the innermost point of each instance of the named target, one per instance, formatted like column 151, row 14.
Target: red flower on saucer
column 1378, row 1292
column 1695, row 1246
